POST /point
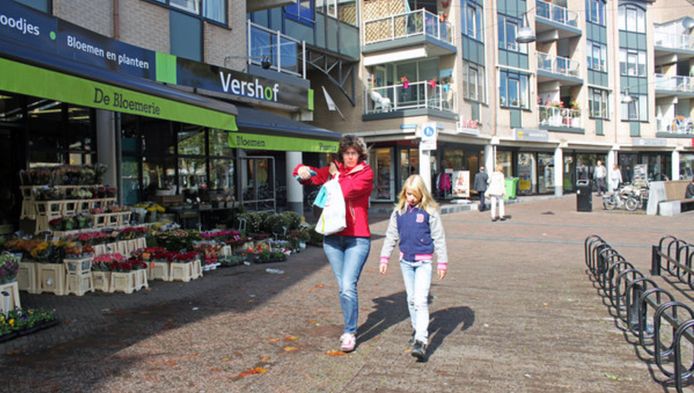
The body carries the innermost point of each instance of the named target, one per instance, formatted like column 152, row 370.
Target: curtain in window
column 214, row 9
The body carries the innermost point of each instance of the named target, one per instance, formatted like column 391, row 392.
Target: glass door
column 409, row 164
column 381, row 160
column 545, row 173
column 527, row 175
column 258, row 183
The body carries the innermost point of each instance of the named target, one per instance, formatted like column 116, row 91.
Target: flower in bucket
column 183, row 257
column 9, row 265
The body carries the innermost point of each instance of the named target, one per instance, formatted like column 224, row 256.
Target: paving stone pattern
column 517, row 313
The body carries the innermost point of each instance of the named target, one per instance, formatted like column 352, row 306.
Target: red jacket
column 356, row 184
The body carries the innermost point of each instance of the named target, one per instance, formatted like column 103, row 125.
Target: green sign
column 40, row 82
column 282, row 143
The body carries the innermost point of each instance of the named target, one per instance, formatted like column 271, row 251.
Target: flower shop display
column 126, row 275
column 9, row 266
column 51, row 278
column 20, row 322
column 186, row 266
column 231, row 260
column 10, row 286
column 177, row 239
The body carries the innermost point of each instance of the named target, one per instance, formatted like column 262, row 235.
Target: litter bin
column 584, row 196
column 511, row 185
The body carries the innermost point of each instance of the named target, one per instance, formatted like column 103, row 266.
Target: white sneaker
column 347, row 342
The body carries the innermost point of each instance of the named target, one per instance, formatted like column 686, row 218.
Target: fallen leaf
column 290, row 338
column 335, row 353
column 215, row 369
column 226, row 359
column 264, row 358
column 312, row 322
column 253, row 371
column 274, row 340
column 612, row 377
column 319, row 286
column 290, row 348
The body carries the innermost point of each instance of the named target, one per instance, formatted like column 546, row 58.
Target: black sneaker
column 419, row 349
column 410, row 342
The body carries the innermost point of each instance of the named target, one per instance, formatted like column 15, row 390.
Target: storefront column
column 489, row 158
column 611, row 160
column 558, row 172
column 106, row 148
column 295, row 192
column 425, row 167
column 675, row 165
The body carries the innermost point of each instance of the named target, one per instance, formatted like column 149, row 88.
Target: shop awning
column 39, row 75
column 262, row 130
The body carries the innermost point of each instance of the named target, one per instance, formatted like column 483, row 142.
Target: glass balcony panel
column 556, row 13
column 674, row 41
column 674, row 83
column 559, row 117
column 558, row 65
column 284, row 53
column 676, row 125
column 417, row 95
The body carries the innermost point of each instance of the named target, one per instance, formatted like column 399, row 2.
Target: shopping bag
column 332, row 219
column 321, row 198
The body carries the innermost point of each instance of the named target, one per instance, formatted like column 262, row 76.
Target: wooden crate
column 51, row 278
column 13, row 290
column 79, row 284
column 27, row 277
column 159, row 271
column 102, row 281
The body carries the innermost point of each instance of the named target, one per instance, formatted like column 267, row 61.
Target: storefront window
column 569, row 174
column 686, row 166
column 527, row 177
column 454, row 159
column 505, row 159
column 545, row 173
column 191, row 140
column 222, row 175
column 382, row 164
column 409, row 163
column 158, row 173
column 219, row 145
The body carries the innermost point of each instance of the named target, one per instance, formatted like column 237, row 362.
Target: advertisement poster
column 640, row 172
column 461, row 184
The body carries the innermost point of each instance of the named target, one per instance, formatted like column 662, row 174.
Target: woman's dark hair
column 355, row 142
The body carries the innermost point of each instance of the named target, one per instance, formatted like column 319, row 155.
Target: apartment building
column 174, row 96
column 601, row 80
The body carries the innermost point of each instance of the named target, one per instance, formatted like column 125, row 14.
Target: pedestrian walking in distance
column 496, row 192
column 416, row 225
column 600, row 175
column 480, row 185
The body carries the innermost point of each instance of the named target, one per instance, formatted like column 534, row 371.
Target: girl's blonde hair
column 415, row 183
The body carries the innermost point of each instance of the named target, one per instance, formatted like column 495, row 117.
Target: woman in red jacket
column 348, row 250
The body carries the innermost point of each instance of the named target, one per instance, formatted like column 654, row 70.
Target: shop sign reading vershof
column 29, row 28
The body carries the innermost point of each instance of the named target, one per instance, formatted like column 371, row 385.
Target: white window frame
column 632, row 59
column 632, row 18
column 603, row 101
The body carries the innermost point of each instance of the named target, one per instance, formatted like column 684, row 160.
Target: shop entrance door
column 10, row 197
column 258, row 183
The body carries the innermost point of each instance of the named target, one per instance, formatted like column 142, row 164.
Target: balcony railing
column 558, row 65
column 417, row 95
column 285, row 54
column 414, row 23
column 560, row 117
column 556, row 13
column 684, row 84
column 675, row 41
column 677, row 125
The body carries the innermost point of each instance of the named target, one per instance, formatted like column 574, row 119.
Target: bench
column 666, row 198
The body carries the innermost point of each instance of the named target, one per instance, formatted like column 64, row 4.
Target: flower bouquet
column 9, row 265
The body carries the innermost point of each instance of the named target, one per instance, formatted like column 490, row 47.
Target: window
column 473, row 82
column 632, row 62
column 598, row 101
column 41, row 5
column 473, row 21
column 213, row 10
column 597, row 56
column 637, row 109
column 185, row 36
column 508, row 29
column 632, row 18
column 595, row 11
column 301, row 11
column 513, row 90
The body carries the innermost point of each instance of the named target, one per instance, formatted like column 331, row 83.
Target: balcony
column 677, row 86
column 419, row 98
column 415, row 28
column 553, row 68
column 677, row 127
column 285, row 54
column 667, row 43
column 560, row 119
column 554, row 22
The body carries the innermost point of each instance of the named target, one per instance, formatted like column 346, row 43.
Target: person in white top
column 496, row 192
column 600, row 175
column 615, row 177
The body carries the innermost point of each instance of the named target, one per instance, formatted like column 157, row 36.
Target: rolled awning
column 262, row 130
column 39, row 75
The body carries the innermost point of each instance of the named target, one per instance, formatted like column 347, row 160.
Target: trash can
column 584, row 196
column 511, row 185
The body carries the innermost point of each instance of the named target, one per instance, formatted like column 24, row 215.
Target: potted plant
column 9, row 266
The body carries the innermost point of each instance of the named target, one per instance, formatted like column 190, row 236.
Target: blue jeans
column 347, row 256
column 417, row 277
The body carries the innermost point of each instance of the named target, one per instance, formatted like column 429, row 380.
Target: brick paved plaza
column 517, row 313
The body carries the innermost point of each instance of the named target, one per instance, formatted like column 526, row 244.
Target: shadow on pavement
column 390, row 310
column 443, row 323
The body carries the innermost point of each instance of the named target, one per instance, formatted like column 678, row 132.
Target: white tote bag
column 332, row 219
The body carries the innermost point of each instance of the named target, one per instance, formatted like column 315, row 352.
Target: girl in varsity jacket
column 416, row 225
